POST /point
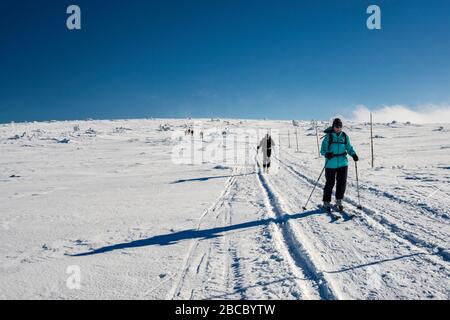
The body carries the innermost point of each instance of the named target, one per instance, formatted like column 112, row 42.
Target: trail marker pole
column 203, row 150
column 357, row 186
column 289, row 139
column 371, row 137
column 317, row 140
column 224, row 149
column 247, row 152
column 192, row 150
column 235, row 149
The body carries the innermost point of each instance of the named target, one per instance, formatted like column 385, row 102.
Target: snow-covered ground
column 127, row 210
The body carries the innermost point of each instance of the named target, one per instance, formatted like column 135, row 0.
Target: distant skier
column 335, row 147
column 266, row 146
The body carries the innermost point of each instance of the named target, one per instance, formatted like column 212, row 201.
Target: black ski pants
column 332, row 176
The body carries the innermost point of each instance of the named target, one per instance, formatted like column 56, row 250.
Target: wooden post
column 296, row 138
column 279, row 149
column 317, row 139
column 247, row 152
column 203, row 150
column 235, row 149
column 371, row 137
column 224, row 149
column 192, row 150
column 289, row 139
column 257, row 137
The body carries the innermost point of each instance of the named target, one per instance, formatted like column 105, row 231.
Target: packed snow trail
column 293, row 243
column 219, row 266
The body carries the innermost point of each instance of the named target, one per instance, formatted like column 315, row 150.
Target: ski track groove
column 175, row 290
column 294, row 247
column 234, row 280
column 227, row 248
column 235, row 275
column 220, row 204
column 387, row 225
column 401, row 201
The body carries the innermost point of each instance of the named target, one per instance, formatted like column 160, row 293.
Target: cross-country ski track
column 368, row 257
column 380, row 258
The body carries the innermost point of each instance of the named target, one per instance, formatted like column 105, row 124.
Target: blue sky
column 195, row 58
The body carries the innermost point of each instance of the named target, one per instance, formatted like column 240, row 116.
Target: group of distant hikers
column 335, row 148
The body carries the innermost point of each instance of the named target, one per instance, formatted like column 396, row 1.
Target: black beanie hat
column 337, row 122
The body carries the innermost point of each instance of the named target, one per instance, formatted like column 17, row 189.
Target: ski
column 347, row 216
column 330, row 212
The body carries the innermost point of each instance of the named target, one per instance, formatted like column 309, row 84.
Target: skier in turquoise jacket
column 335, row 148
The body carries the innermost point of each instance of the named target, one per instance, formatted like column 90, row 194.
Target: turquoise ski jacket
column 339, row 145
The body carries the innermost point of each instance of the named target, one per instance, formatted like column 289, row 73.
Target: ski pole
column 304, row 208
column 357, row 186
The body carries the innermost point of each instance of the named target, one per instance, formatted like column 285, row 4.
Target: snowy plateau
column 137, row 209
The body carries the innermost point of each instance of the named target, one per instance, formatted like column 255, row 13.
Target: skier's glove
column 355, row 157
column 329, row 155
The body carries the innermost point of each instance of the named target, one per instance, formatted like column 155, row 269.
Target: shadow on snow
column 173, row 238
column 209, row 178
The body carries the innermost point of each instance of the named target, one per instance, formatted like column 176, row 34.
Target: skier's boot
column 327, row 206
column 339, row 205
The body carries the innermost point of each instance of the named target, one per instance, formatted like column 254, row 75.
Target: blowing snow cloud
column 427, row 114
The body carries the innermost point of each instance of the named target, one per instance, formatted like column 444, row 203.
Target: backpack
column 330, row 140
